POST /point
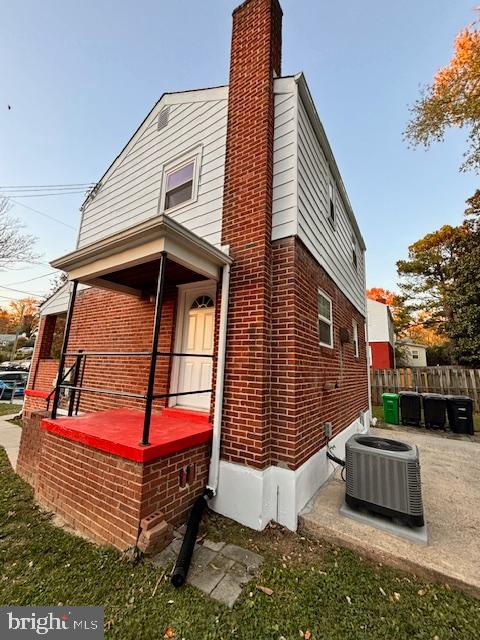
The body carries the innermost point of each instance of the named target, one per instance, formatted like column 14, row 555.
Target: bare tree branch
column 15, row 245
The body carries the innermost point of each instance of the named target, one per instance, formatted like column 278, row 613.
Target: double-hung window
column 179, row 185
column 325, row 320
column 180, row 180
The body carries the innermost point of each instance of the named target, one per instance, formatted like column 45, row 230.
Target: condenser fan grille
column 383, row 444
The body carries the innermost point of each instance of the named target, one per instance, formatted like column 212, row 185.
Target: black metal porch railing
column 76, row 386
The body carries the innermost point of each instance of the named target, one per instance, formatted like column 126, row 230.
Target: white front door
column 196, row 367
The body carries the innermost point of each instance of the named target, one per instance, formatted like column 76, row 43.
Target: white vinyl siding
column 58, row 302
column 130, row 190
column 330, row 244
column 284, row 209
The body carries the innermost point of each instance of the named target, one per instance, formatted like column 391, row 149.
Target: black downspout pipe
column 153, row 360
column 184, row 559
column 66, row 336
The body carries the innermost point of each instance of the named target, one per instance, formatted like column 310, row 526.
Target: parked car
column 24, row 351
column 15, row 365
column 12, row 384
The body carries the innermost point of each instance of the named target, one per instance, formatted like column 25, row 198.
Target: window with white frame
column 179, row 185
column 356, row 350
column 180, row 181
column 331, row 196
column 414, row 354
column 325, row 320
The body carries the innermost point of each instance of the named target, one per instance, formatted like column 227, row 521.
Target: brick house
column 215, row 313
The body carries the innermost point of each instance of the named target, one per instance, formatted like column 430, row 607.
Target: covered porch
column 146, row 262
column 144, row 413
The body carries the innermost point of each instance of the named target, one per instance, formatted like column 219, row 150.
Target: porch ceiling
column 122, row 260
column 143, row 277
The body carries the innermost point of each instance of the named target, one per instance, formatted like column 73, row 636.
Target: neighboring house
column 381, row 336
column 221, row 239
column 412, row 354
column 7, row 339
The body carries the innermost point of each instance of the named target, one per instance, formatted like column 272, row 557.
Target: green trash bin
column 390, row 408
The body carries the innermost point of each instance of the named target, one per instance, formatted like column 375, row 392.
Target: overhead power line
column 48, row 186
column 44, row 195
column 27, row 293
column 7, row 298
column 46, row 275
column 42, row 213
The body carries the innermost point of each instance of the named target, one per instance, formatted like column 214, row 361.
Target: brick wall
column 311, row 384
column 247, row 227
column 104, row 496
column 161, row 483
column 43, row 346
column 30, row 447
column 110, row 321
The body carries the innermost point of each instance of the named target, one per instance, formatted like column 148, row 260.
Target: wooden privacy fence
column 445, row 380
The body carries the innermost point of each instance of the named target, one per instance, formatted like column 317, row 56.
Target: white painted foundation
column 254, row 497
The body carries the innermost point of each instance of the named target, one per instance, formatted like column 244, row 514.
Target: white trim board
column 254, row 497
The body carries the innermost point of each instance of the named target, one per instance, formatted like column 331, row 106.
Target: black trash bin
column 410, row 407
column 434, row 410
column 460, row 414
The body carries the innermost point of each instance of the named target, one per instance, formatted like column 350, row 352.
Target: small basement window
column 179, row 185
column 325, row 321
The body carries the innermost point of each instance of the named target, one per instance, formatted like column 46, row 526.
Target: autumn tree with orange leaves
column 452, row 100
column 24, row 315
column 401, row 311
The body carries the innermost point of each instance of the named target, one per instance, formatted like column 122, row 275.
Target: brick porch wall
column 46, row 374
column 104, row 496
column 30, row 448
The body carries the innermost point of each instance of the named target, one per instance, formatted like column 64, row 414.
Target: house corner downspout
column 217, row 415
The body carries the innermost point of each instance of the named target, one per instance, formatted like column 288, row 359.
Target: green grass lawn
column 377, row 412
column 329, row 592
column 6, row 408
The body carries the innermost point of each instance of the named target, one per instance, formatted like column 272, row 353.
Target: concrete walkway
column 451, row 495
column 10, row 436
column 219, row 570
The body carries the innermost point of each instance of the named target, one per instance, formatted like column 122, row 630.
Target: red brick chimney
column 247, row 228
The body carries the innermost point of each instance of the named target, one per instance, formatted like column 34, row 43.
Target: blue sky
column 80, row 77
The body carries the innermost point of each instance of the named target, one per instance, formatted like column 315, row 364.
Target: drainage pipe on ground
column 184, row 559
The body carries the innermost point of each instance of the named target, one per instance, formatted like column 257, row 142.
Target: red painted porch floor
column 119, row 432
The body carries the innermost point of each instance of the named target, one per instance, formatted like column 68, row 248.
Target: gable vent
column 163, row 118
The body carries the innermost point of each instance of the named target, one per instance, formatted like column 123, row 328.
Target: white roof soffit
column 327, row 149
column 139, row 244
